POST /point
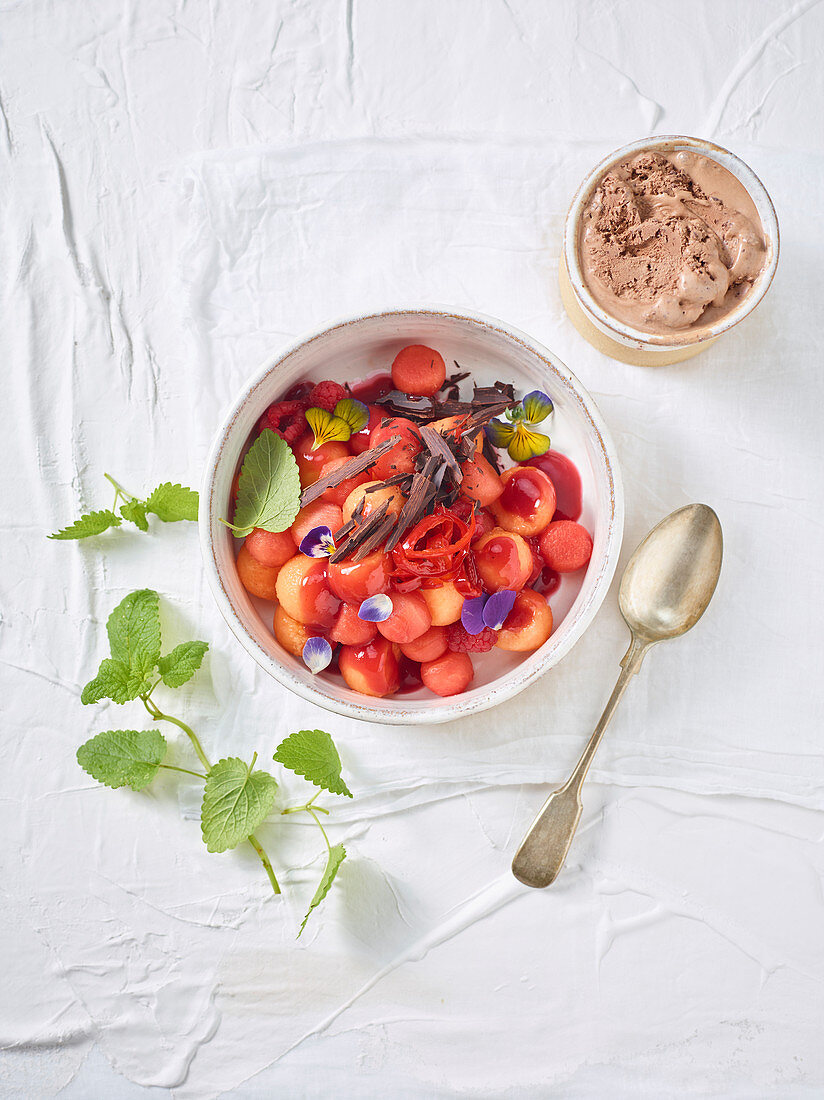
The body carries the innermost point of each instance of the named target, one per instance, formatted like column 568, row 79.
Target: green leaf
column 312, row 754
column 173, row 502
column 115, row 681
column 337, row 855
column 134, row 631
column 135, row 512
column 235, row 801
column 182, row 663
column 268, row 493
column 123, row 758
column 92, row 523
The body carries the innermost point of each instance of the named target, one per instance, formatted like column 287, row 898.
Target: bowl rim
column 635, row 337
column 514, row 681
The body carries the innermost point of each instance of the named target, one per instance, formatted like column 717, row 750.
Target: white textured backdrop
column 185, row 187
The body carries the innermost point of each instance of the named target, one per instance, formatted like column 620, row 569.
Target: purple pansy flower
column 376, row 609
column 318, row 543
column 488, row 611
column 497, row 607
column 317, row 654
column 472, row 615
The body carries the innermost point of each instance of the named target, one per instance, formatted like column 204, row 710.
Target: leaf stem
column 173, row 768
column 159, row 716
column 301, row 809
column 118, row 489
column 317, row 822
column 264, row 859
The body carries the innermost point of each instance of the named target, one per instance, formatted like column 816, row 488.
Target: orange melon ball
column 373, row 500
column 304, row 593
column 503, row 560
column 289, row 633
column 259, row 580
column 526, row 503
column 528, row 625
column 445, row 603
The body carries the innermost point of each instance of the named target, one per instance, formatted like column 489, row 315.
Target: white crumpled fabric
column 185, row 188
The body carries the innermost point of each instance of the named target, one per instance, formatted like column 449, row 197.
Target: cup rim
column 635, row 337
column 512, row 682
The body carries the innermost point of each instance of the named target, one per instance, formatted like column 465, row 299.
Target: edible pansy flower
column 350, row 416
column 517, row 436
column 327, row 427
column 488, row 611
column 537, row 406
column 317, row 654
column 317, row 543
column 354, row 413
column 376, row 609
column 497, row 607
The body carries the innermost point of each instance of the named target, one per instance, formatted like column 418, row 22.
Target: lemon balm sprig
column 237, row 796
column 169, row 502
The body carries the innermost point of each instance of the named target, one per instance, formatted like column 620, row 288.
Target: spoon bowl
column 671, row 577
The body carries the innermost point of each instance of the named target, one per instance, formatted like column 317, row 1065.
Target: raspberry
column 461, row 641
column 325, row 395
column 287, row 418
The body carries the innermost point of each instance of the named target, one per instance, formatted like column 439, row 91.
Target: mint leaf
column 173, row 502
column 123, row 758
column 92, row 523
column 115, row 681
column 337, row 855
column 134, row 632
column 268, row 493
column 135, row 512
column 182, row 663
column 312, row 754
column 235, row 801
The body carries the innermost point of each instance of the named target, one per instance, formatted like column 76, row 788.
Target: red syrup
column 564, row 475
column 523, row 496
column 372, row 388
column 410, row 673
column 547, row 582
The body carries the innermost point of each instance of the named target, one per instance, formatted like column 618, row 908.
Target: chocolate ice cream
column 670, row 242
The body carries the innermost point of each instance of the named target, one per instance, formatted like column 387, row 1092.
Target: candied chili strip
column 434, row 550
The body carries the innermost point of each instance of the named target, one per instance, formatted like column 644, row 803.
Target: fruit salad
column 432, row 527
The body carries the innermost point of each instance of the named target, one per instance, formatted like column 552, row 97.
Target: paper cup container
column 631, row 345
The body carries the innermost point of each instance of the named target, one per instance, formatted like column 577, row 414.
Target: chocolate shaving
column 490, row 454
column 466, row 447
column 342, row 532
column 483, row 416
column 437, row 445
column 450, row 387
column 376, row 538
column 360, row 534
column 487, row 395
column 423, row 409
column 396, row 479
column 351, row 468
column 423, row 492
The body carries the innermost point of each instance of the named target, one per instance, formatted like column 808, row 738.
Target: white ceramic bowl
column 356, row 348
column 665, row 347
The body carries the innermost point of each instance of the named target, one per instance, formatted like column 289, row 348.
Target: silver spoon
column 664, row 591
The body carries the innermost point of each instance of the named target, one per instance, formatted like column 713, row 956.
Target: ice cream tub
column 669, row 242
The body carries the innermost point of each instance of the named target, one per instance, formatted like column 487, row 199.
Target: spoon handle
column 544, row 848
